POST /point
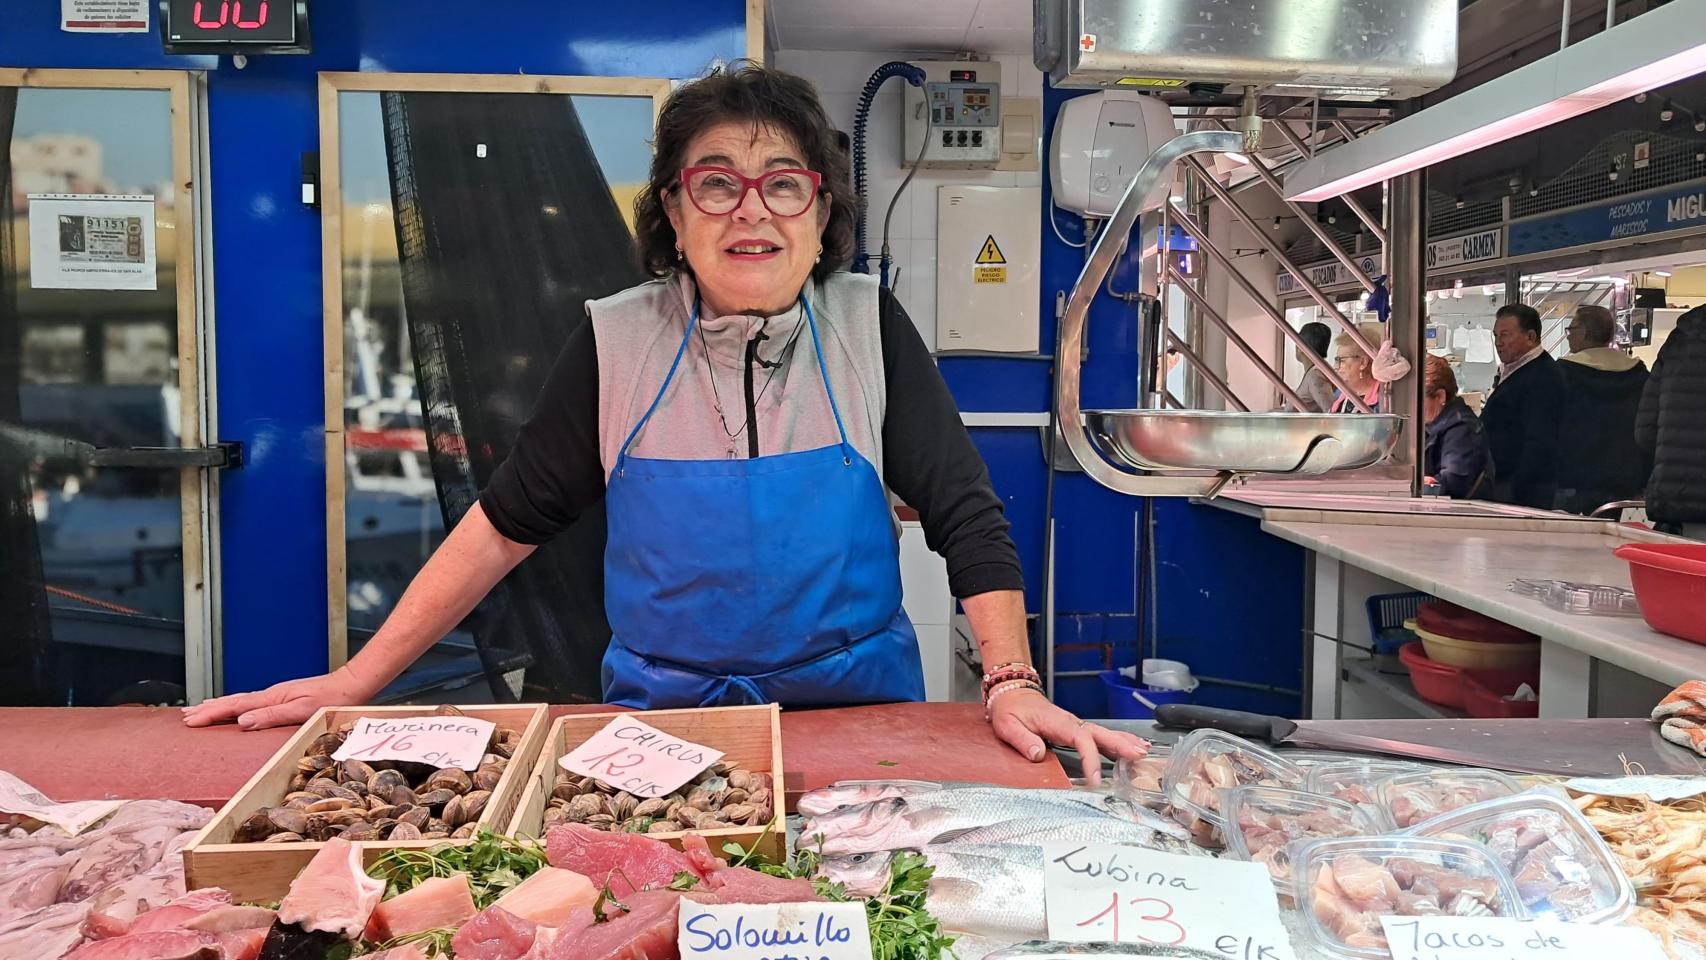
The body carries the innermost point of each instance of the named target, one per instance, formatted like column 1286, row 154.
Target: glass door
column 104, row 486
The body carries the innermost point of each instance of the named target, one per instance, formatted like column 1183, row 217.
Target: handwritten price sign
column 639, row 758
column 1496, row 938
column 1100, row 893
column 778, row 931
column 440, row 741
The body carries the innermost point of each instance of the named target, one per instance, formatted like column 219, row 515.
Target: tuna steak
column 439, row 902
column 496, row 934
column 180, row 911
column 722, row 883
column 626, row 862
column 549, row 896
column 645, row 932
column 160, row 945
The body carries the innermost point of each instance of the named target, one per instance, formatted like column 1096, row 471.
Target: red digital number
column 260, row 19
column 224, row 15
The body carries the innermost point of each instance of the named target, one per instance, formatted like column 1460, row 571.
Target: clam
column 664, row 826
column 354, row 770
column 405, row 831
column 378, row 807
column 384, row 825
column 734, row 795
column 318, row 827
column 474, row 804
column 740, row 780
column 302, row 801
column 448, row 710
column 504, row 750
column 331, row 804
column 737, row 812
column 450, row 778
column 287, row 819
column 436, row 825
column 257, row 826
column 565, row 789
column 434, row 798
column 344, row 730
column 556, row 815
column 320, row 788
column 361, row 830
column 652, row 808
column 601, row 821
column 401, row 795
column 463, row 832
column 325, row 745
column 436, row 835
column 701, row 799
column 622, row 805
column 414, row 816
column 454, row 815
column 760, row 798
column 582, row 808
column 284, row 837
column 487, row 777
column 313, row 763
column 298, row 782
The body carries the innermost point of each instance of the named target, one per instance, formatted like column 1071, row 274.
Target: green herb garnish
column 494, row 865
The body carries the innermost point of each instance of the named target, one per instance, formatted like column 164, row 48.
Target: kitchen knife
column 1278, row 731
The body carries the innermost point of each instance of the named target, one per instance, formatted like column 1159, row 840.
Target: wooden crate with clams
column 749, row 737
column 262, row 871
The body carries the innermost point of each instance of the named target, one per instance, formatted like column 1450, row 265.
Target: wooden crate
column 748, row 736
column 263, row 871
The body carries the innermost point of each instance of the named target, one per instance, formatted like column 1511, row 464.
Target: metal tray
column 1242, row 442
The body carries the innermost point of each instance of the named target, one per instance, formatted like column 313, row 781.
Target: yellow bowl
column 1476, row 654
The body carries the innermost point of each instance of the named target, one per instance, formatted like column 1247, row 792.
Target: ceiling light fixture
column 1659, row 47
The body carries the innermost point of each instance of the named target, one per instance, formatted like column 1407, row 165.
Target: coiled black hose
column 894, row 68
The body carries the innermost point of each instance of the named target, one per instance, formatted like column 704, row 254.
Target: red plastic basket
column 1670, row 586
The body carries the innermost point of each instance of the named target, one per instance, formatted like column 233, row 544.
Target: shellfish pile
column 382, row 800
column 724, row 795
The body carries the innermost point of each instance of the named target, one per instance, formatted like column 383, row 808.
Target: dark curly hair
column 744, row 92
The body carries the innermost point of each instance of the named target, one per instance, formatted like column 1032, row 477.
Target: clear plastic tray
column 1140, row 781
column 1266, row 825
column 1561, row 868
column 1412, row 798
column 1353, row 781
column 1595, row 599
column 1205, row 763
column 1343, row 887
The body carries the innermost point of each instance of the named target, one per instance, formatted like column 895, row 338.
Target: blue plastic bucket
column 1123, row 706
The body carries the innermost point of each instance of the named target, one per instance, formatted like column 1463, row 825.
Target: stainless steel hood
column 1339, row 49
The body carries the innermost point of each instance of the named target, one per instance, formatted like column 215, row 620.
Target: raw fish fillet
column 1364, row 881
column 435, row 903
column 332, row 894
column 495, row 934
column 549, row 896
column 645, row 932
column 627, row 862
column 176, row 914
column 232, row 919
column 160, row 945
column 723, row 883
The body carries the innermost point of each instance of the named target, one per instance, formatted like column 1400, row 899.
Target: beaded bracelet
column 1006, row 672
column 1008, row 687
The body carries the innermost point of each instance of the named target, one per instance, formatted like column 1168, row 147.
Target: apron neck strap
column 817, row 348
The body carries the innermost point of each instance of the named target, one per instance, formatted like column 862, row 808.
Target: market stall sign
column 639, row 758
column 1326, row 275
column 234, row 26
column 1498, row 938
column 441, row 741
column 805, row 931
column 1638, row 215
column 1469, row 248
column 1101, row 893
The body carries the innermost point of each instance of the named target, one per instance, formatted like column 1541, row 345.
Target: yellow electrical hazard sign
column 1149, row 82
column 991, row 263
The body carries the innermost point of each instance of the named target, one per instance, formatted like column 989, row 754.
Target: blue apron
column 770, row 579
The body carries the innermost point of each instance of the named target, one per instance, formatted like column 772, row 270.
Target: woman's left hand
column 1028, row 722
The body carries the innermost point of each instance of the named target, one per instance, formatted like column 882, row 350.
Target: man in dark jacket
column 1671, row 426
column 1598, row 459
column 1521, row 414
column 1456, row 458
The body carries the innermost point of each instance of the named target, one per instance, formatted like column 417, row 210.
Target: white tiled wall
column 839, row 77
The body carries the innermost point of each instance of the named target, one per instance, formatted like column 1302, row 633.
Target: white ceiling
column 990, row 27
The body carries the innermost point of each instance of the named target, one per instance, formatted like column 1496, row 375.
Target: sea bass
column 993, row 892
column 851, row 793
column 902, row 823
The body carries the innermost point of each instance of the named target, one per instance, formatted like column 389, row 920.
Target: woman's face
column 748, row 260
column 1354, row 365
column 1433, row 404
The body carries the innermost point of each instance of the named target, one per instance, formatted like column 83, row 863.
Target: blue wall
column 267, row 244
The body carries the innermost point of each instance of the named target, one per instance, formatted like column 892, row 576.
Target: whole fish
column 910, row 823
column 852, row 793
column 1048, row 950
column 1155, row 833
column 990, row 892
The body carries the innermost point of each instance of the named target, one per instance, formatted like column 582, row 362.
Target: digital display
column 234, row 26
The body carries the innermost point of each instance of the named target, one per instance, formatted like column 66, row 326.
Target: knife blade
column 1279, row 731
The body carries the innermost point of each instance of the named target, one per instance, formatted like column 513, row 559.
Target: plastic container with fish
column 1561, row 868
column 1411, row 798
column 1140, row 781
column 1343, row 887
column 1207, row 762
column 1353, row 781
column 1266, row 824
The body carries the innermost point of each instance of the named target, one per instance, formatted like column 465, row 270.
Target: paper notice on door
column 104, row 16
column 92, row 242
column 19, row 799
column 1480, row 347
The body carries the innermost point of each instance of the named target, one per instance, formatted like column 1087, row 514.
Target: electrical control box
column 955, row 117
column 988, row 268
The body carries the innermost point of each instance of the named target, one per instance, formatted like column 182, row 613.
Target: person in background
column 1456, row 459
column 1521, row 415
column 1671, row 427
column 1357, row 368
column 1598, row 459
column 1315, row 389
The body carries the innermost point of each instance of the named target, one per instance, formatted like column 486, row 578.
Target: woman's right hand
column 288, row 703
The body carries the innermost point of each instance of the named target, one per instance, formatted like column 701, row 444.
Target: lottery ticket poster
column 92, row 242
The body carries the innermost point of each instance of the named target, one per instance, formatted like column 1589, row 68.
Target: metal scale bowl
column 1124, row 449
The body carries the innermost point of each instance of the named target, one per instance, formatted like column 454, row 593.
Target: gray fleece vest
column 638, row 330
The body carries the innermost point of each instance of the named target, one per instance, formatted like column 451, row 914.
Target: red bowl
column 1435, row 682
column 1670, row 586
column 1451, row 620
column 1485, row 702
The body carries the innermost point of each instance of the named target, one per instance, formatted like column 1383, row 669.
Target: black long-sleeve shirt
column 554, row 472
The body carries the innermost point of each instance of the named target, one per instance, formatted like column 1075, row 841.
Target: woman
column 1357, row 370
column 1457, row 462
column 733, row 415
column 1314, row 389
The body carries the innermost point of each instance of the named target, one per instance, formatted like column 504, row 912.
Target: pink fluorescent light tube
column 1659, row 47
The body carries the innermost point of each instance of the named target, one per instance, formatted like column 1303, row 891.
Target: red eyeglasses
column 718, row 191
